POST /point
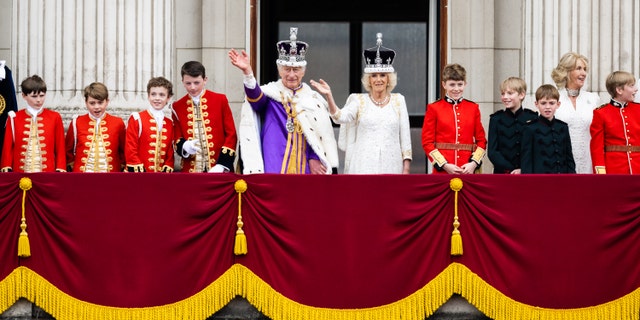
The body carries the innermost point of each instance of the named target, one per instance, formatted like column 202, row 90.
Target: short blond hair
column 514, row 83
column 618, row 79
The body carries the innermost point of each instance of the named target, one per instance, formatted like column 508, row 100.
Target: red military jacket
column 147, row 149
column 17, row 137
column 221, row 137
column 80, row 142
column 452, row 133
column 615, row 138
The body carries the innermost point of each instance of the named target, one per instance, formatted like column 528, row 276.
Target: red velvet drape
column 344, row 242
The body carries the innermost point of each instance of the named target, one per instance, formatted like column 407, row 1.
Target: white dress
column 579, row 121
column 375, row 139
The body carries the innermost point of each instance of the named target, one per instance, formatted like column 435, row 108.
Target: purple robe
column 273, row 131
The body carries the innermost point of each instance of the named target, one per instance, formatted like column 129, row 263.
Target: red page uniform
column 96, row 145
column 33, row 144
column 615, row 138
column 453, row 133
column 211, row 125
column 149, row 146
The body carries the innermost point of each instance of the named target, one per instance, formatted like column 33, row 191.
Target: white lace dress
column 375, row 139
column 579, row 121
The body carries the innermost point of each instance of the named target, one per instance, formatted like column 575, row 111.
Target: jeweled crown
column 379, row 58
column 292, row 52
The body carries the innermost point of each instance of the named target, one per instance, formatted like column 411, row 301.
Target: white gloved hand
column 189, row 147
column 218, row 168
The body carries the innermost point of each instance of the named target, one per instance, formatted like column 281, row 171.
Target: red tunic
column 218, row 123
column 145, row 149
column 615, row 139
column 17, row 138
column 453, row 133
column 80, row 142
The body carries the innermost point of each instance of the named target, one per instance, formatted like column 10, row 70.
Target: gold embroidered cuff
column 478, row 155
column 438, row 158
column 166, row 168
column 601, row 169
column 226, row 150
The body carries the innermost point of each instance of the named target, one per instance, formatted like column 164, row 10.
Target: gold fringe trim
column 239, row 280
column 25, row 283
column 24, row 248
column 456, row 278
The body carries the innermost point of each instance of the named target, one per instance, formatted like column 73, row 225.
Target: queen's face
column 379, row 82
column 577, row 76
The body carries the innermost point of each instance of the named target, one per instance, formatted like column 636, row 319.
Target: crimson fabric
column 124, row 239
column 136, row 240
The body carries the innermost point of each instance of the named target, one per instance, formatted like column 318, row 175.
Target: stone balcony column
column 72, row 43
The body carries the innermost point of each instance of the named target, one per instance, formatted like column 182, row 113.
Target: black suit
column 546, row 147
column 505, row 136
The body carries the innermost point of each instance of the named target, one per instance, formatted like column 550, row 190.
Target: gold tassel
column 240, row 246
column 456, row 238
column 24, row 249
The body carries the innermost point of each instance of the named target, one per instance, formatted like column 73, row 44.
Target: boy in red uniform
column 452, row 135
column 149, row 146
column 204, row 131
column 615, row 128
column 95, row 141
column 34, row 136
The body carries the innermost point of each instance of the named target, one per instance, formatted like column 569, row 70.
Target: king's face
column 291, row 76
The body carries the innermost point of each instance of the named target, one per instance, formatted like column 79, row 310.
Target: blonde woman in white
column 576, row 106
column 374, row 131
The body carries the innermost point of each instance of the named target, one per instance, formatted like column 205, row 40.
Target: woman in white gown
column 375, row 132
column 576, row 106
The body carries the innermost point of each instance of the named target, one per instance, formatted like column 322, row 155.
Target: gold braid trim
column 601, row 169
column 227, row 150
column 239, row 280
column 256, row 99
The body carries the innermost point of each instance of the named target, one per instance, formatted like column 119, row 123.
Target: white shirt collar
column 3, row 73
column 33, row 111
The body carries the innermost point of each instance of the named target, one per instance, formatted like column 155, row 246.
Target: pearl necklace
column 573, row 93
column 380, row 103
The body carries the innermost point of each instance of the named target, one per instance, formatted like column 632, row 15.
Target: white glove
column 189, row 147
column 218, row 168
